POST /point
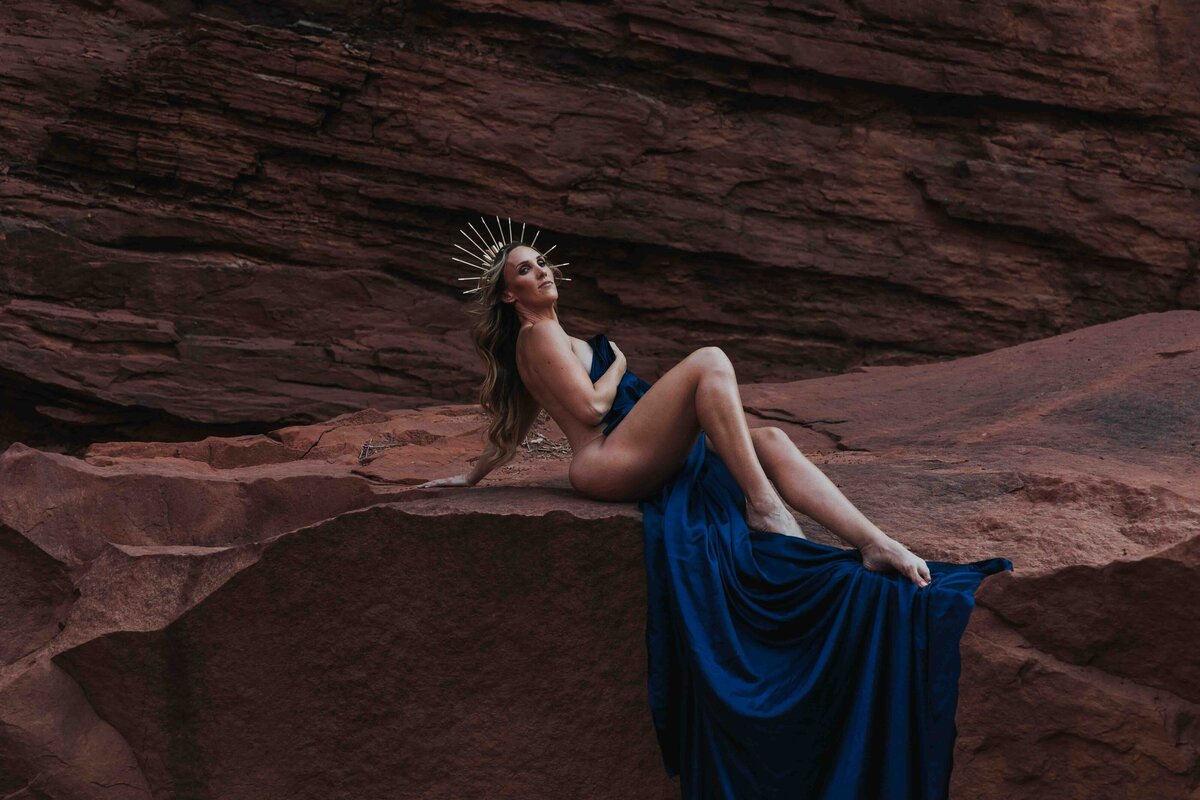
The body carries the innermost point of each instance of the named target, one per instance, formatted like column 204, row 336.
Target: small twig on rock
column 537, row 443
column 370, row 448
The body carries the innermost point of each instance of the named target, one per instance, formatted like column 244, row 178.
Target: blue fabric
column 782, row 668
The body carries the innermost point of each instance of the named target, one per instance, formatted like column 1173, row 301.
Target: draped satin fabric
column 781, row 668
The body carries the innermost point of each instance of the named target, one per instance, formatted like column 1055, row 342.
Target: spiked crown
column 484, row 259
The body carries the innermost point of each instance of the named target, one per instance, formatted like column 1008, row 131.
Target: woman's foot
column 772, row 516
column 883, row 554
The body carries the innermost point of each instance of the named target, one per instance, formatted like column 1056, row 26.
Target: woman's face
column 528, row 278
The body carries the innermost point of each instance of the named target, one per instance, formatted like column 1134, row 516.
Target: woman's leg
column 655, row 437
column 810, row 491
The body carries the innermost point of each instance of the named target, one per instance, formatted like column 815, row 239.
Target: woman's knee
column 712, row 359
column 771, row 443
column 770, row 435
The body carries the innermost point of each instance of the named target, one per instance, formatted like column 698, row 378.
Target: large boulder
column 281, row 615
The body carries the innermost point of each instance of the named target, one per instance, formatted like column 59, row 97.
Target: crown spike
column 469, row 264
column 465, row 250
column 488, row 228
column 484, row 246
column 534, row 239
column 489, row 249
column 481, row 248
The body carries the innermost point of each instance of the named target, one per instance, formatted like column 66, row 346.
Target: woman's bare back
column 555, row 389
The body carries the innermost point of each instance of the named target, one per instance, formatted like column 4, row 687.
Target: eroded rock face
column 223, row 217
column 388, row 654
column 1085, row 682
column 282, row 616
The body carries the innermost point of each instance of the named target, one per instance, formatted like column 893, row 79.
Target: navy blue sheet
column 782, row 668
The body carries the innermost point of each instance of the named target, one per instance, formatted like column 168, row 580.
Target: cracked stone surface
column 281, row 615
column 222, row 217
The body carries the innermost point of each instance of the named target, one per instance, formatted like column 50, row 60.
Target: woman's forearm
column 488, row 460
column 606, row 389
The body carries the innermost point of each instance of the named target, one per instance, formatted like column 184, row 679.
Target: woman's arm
column 489, row 459
column 610, row 381
column 553, row 362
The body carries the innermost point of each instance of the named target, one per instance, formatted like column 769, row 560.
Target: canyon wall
column 220, row 218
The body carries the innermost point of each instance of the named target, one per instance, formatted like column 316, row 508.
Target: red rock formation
column 278, row 616
column 240, row 214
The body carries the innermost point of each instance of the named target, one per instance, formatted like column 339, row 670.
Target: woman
column 778, row 668
column 533, row 364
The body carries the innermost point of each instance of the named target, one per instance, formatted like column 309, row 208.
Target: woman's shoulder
column 542, row 326
column 542, row 332
column 541, row 336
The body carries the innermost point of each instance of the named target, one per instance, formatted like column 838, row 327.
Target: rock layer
column 280, row 615
column 223, row 214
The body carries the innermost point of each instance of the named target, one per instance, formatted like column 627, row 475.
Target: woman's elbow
column 596, row 414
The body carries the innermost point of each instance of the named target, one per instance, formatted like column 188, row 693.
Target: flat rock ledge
column 283, row 615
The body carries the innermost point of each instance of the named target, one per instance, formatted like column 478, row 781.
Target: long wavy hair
column 503, row 395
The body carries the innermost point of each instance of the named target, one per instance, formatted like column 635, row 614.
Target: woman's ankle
column 869, row 537
column 765, row 503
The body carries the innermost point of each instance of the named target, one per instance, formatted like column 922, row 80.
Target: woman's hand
column 453, row 480
column 618, row 357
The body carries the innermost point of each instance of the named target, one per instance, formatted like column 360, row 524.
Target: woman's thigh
column 652, row 441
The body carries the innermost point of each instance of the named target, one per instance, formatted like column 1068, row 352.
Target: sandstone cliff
column 225, row 217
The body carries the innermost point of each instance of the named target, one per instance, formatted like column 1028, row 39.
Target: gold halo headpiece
column 487, row 252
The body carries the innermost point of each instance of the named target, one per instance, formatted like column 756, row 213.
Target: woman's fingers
column 456, row 480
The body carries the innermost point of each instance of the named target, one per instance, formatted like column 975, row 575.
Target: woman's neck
column 529, row 316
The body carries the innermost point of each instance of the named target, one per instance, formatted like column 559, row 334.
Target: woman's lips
column 545, row 283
